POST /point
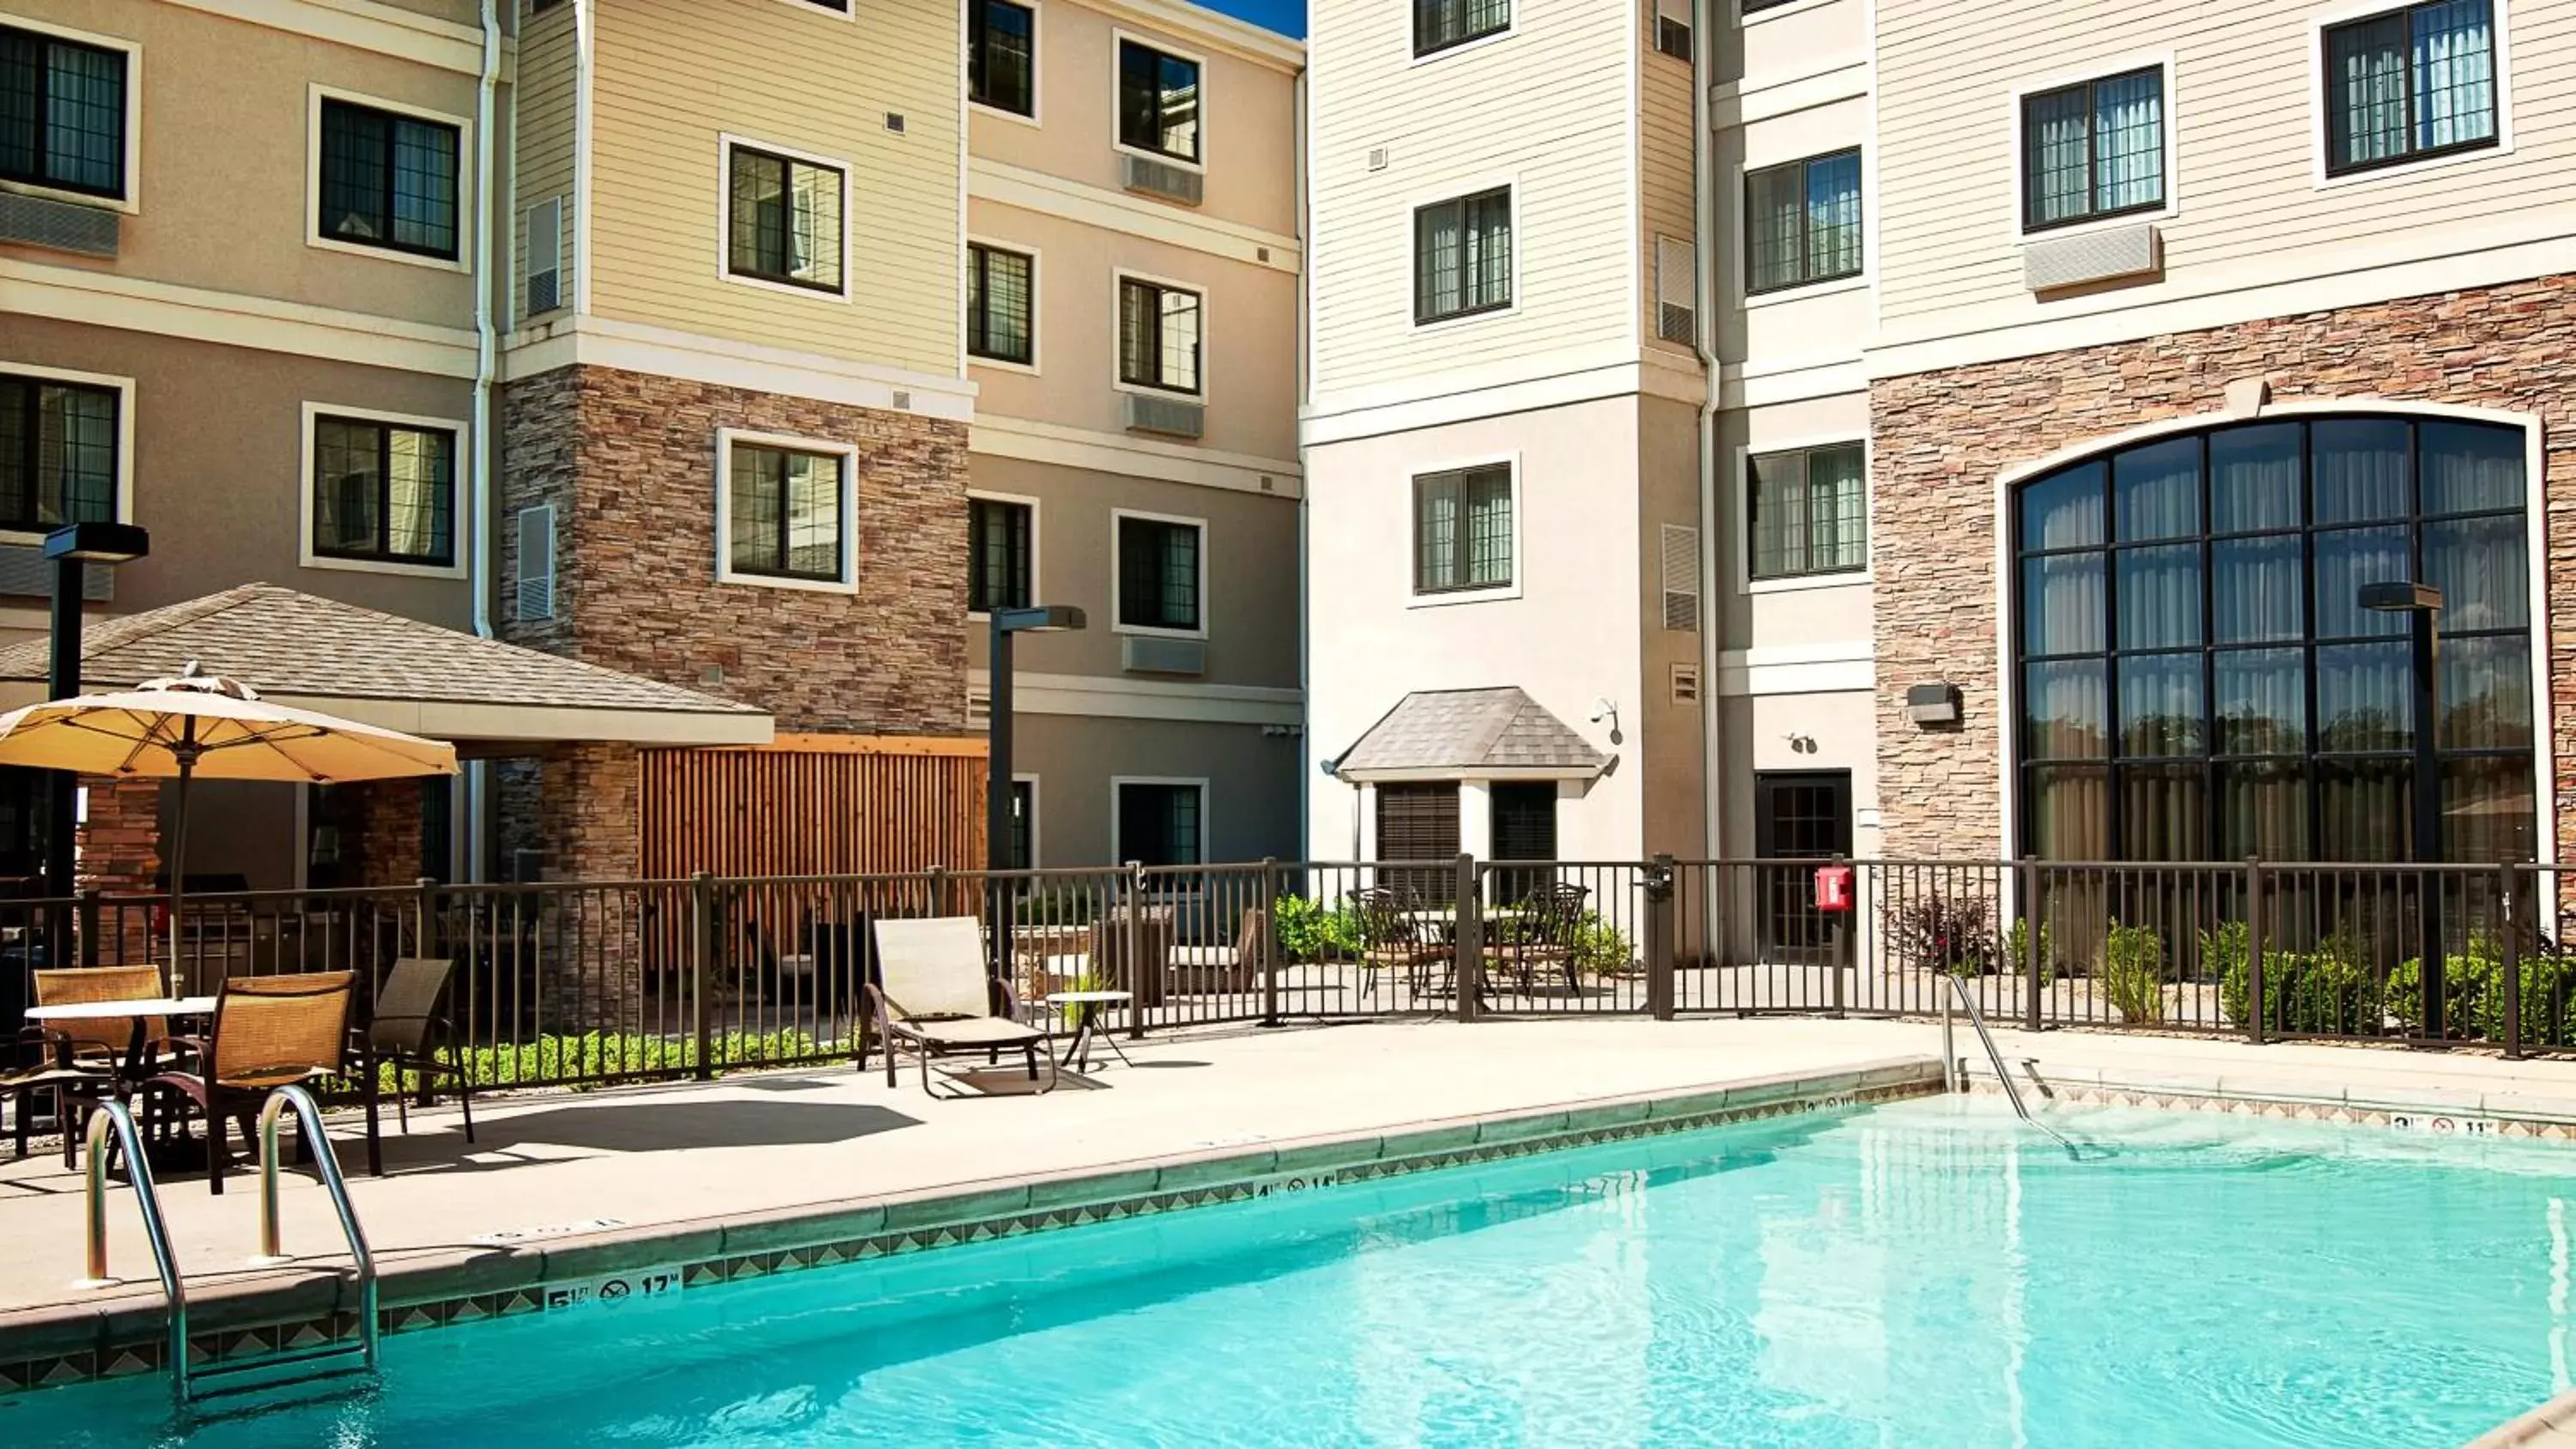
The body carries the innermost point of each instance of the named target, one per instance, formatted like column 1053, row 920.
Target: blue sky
column 1288, row 17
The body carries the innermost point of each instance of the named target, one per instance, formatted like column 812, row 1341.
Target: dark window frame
column 2337, row 120
column 1019, row 553
column 40, row 112
column 2093, row 209
column 979, row 37
column 783, row 544
column 1422, row 312
column 1753, row 570
column 757, row 272
column 979, row 312
column 31, row 443
column 383, row 550
column 1462, row 544
column 1806, row 275
column 1126, row 119
column 1161, row 620
column 1429, row 11
column 384, row 214
column 1148, row 371
column 2310, row 763
column 1169, row 792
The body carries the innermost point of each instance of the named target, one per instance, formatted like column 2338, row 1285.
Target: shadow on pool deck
column 637, row 1126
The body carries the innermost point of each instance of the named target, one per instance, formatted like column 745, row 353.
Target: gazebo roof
column 388, row 670
column 1470, row 734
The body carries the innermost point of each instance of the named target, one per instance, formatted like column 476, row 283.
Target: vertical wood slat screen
column 838, row 805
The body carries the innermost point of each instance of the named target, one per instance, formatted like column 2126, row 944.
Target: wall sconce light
column 1932, row 704
column 1801, row 744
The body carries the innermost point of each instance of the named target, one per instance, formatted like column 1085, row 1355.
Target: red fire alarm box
column 1833, row 888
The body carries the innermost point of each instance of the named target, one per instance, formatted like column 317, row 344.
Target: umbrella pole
column 170, row 975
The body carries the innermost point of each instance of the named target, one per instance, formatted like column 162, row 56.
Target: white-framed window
column 1002, row 304
column 786, row 512
column 380, row 491
column 1806, row 512
column 2411, row 83
column 1466, row 529
column 1159, row 563
column 1002, row 57
column 1673, row 28
column 389, row 180
column 2095, row 148
column 785, row 219
column 1002, row 552
column 70, row 113
column 1162, row 335
column 1462, row 256
column 1440, row 25
column 66, row 450
column 1160, row 109
column 1158, row 820
column 1802, row 222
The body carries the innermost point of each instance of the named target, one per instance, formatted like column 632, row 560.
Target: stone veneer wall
column 120, row 854
column 1940, row 439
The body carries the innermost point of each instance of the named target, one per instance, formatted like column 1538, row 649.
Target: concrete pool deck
column 564, row 1185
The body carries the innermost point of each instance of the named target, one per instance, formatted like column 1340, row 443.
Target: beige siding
column 225, row 195
column 1801, row 40
column 673, row 76
column 549, row 88
column 1664, row 153
column 2245, row 110
column 1549, row 108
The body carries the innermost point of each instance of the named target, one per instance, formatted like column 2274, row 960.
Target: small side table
column 1086, row 1007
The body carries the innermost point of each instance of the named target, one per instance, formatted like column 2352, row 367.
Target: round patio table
column 1086, row 1029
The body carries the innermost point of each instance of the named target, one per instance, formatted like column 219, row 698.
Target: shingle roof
column 1466, row 730
column 280, row 641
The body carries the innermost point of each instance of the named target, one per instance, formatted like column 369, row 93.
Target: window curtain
column 1489, row 250
column 1489, row 529
column 1177, row 317
column 813, row 515
column 1775, row 205
column 2368, row 66
column 2129, row 141
column 85, row 121
column 424, row 189
column 1439, row 249
column 1136, row 332
column 2454, row 60
column 1837, row 510
column 345, row 486
column 2059, row 145
column 417, row 485
column 76, row 454
column 1180, row 576
column 1833, row 216
column 815, row 231
column 1436, row 532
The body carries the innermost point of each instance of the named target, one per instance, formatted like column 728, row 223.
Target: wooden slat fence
column 814, row 805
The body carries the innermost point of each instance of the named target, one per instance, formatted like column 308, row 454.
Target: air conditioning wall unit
column 2050, row 263
column 1153, row 654
column 1161, row 179
column 1174, row 417
column 64, row 226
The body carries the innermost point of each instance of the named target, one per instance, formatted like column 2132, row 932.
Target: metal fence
column 570, row 984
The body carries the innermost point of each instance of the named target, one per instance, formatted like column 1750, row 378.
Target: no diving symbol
column 615, row 1288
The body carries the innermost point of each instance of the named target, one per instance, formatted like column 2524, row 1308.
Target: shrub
column 2474, row 997
column 1056, row 908
column 2016, row 957
column 1602, row 948
column 1937, row 933
column 1309, row 931
column 2330, row 990
column 2133, row 972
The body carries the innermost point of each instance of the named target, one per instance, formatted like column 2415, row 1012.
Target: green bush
column 2133, row 972
column 2016, row 959
column 1309, row 931
column 1600, row 947
column 1056, row 908
column 2473, row 995
column 592, row 1058
column 2329, row 990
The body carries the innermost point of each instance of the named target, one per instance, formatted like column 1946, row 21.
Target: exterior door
column 1524, row 830
column 1800, row 815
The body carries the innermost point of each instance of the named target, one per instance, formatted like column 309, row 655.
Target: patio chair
column 935, row 995
column 408, row 1030
column 1394, row 936
column 1148, row 976
column 270, row 1032
column 80, row 1059
column 1543, row 937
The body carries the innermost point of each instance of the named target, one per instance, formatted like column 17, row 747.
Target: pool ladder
column 186, row 1383
column 1950, row 1062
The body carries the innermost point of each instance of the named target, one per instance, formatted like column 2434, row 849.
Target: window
column 2419, row 81
column 1158, row 102
column 1803, row 222
column 1158, row 336
column 1160, row 823
column 1001, row 56
column 1462, row 529
column 1419, row 823
column 2197, row 680
column 62, row 113
column 1001, row 301
column 784, row 513
column 2093, row 149
column 383, row 491
column 1524, row 828
column 388, row 180
column 58, row 453
column 1462, row 256
column 1000, row 535
column 1440, row 24
column 1809, row 512
column 1158, row 574
column 784, row 220
column 1673, row 28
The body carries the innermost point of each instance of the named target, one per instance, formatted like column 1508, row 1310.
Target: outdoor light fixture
column 2422, row 605
column 1932, row 704
column 99, row 542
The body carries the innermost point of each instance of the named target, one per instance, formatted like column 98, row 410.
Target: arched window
column 2197, row 681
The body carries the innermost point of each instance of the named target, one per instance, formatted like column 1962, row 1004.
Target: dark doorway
column 1524, row 830
column 1419, row 822
column 1800, row 815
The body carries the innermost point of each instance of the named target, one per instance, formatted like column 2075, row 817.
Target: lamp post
column 2422, row 604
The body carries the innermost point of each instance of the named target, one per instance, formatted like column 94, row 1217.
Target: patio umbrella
column 202, row 725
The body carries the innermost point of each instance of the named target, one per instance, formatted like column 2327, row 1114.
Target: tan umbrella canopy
column 205, row 725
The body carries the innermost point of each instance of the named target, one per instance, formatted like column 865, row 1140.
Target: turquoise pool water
column 1920, row 1274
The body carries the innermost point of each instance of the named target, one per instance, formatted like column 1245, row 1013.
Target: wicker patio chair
column 270, row 1032
column 80, row 1059
column 935, row 996
column 1394, row 937
column 408, row 1030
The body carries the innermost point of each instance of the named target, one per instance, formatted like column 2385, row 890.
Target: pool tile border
column 2463, row 1114
column 418, row 1296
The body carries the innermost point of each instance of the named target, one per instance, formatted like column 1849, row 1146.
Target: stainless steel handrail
column 113, row 1115
column 308, row 1117
column 1977, row 1021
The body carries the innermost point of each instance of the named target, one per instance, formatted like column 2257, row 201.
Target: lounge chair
column 270, row 1032
column 936, row 996
column 401, row 1033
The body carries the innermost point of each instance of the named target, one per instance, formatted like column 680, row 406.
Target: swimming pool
column 1923, row 1273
